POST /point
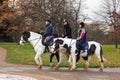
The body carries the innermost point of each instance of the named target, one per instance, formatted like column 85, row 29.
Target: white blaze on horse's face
column 21, row 41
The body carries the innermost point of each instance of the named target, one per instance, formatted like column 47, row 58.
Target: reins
column 37, row 41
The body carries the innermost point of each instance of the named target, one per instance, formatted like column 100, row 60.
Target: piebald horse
column 35, row 40
column 68, row 47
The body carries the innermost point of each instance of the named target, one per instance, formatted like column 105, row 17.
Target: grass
column 17, row 54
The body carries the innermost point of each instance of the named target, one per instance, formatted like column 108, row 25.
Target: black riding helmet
column 48, row 20
column 82, row 24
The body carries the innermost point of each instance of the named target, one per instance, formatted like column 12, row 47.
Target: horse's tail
column 101, row 55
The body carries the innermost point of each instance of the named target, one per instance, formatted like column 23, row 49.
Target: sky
column 92, row 6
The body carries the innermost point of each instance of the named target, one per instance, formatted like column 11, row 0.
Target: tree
column 21, row 15
column 37, row 11
column 110, row 10
column 94, row 32
column 6, row 21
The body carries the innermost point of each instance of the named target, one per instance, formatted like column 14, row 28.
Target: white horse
column 94, row 48
column 35, row 40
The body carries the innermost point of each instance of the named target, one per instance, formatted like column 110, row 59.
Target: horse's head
column 24, row 37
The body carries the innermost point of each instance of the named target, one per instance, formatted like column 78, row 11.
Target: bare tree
column 35, row 12
column 110, row 9
column 94, row 32
column 17, row 16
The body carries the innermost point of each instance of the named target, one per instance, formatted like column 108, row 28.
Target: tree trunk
column 116, row 39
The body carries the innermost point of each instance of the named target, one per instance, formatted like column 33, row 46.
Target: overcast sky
column 92, row 6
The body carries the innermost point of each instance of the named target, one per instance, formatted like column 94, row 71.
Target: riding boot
column 78, row 55
column 46, row 49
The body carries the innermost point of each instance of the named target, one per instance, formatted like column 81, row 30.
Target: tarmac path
column 30, row 72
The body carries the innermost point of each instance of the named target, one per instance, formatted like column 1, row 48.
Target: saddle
column 82, row 48
column 48, row 41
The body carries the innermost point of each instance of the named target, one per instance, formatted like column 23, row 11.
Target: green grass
column 18, row 54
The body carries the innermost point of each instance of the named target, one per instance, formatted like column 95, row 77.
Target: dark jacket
column 48, row 31
column 67, row 31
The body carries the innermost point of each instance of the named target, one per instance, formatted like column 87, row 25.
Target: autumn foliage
column 7, row 18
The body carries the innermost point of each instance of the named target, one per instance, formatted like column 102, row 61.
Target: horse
column 35, row 40
column 55, row 49
column 70, row 50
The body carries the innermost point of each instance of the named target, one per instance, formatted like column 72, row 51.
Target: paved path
column 30, row 72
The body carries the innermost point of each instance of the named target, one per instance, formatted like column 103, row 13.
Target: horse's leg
column 40, row 65
column 57, row 56
column 78, row 55
column 61, row 58
column 51, row 57
column 100, row 57
column 73, row 62
column 37, row 57
column 87, row 62
column 70, row 62
column 102, row 66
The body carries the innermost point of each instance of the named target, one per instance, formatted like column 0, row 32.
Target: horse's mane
column 35, row 33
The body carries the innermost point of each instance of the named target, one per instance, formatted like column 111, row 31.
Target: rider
column 67, row 29
column 81, row 43
column 48, row 35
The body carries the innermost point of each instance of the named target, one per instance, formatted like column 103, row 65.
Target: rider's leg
column 77, row 51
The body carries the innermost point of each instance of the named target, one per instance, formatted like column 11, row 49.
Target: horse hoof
column 100, row 70
column 52, row 66
column 69, row 67
column 39, row 67
column 72, row 69
column 85, row 69
column 57, row 67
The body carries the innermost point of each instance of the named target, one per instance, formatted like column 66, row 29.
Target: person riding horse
column 47, row 39
column 81, row 43
column 67, row 29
